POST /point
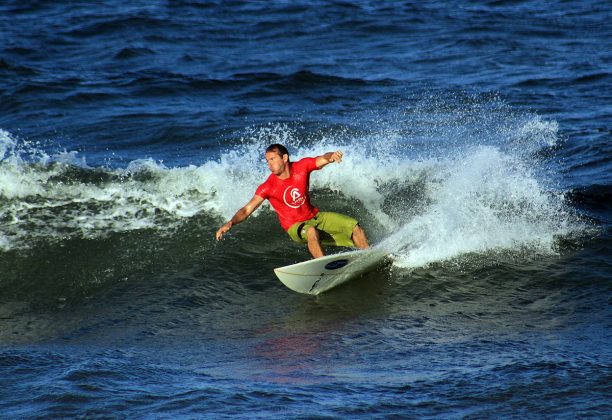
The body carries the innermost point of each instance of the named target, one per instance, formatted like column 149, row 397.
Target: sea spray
column 482, row 201
column 438, row 180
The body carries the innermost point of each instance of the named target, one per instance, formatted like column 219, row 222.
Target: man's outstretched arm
column 328, row 158
column 240, row 215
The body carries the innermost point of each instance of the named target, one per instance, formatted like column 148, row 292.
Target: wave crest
column 439, row 179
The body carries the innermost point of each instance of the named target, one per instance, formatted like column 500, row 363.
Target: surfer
column 287, row 190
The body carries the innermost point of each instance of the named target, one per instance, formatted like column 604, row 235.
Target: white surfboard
column 321, row 274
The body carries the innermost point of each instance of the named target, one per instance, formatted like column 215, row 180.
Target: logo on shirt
column 293, row 198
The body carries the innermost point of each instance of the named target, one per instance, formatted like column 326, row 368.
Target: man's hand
column 335, row 157
column 328, row 158
column 240, row 215
column 223, row 230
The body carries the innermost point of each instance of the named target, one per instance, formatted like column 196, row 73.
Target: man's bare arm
column 328, row 158
column 240, row 215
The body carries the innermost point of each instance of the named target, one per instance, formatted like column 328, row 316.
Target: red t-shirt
column 289, row 197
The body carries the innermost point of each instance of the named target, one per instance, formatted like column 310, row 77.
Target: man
column 287, row 190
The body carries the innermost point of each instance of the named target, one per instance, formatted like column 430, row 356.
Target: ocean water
column 477, row 140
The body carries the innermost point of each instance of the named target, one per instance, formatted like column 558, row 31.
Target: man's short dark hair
column 278, row 148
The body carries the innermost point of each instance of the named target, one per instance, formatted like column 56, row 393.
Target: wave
column 155, row 84
column 586, row 79
column 8, row 68
column 111, row 24
column 445, row 183
column 438, row 181
column 302, row 78
column 178, row 82
column 132, row 52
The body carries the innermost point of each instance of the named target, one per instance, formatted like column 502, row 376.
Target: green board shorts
column 334, row 229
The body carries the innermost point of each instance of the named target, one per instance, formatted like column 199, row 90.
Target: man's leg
column 359, row 238
column 314, row 242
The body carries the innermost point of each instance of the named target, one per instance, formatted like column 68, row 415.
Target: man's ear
column 285, row 158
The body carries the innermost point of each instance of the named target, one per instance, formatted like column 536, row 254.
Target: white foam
column 476, row 197
column 484, row 200
column 39, row 203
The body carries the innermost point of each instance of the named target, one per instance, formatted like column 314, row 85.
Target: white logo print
column 293, row 198
column 295, row 194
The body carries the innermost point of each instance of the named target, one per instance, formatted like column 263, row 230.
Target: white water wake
column 439, row 186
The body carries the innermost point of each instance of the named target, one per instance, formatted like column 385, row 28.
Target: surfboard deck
column 319, row 275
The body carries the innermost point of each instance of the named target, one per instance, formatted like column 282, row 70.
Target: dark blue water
column 477, row 140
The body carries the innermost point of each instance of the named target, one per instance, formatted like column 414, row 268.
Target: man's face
column 276, row 162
